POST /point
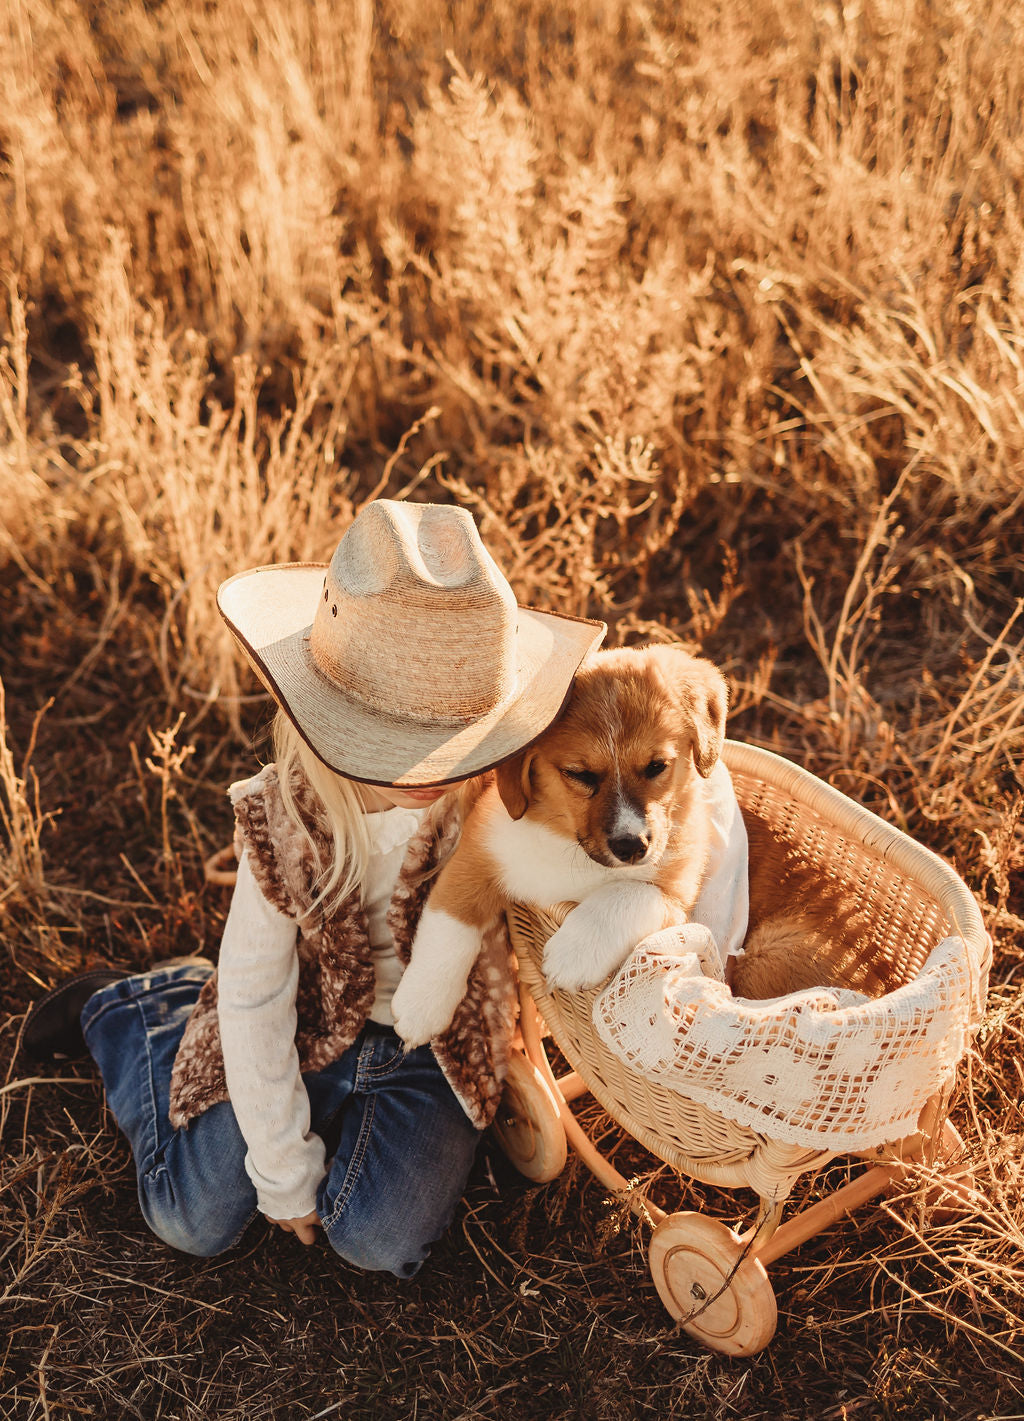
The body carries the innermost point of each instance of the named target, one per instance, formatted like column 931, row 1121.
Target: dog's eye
column 654, row 769
column 587, row 778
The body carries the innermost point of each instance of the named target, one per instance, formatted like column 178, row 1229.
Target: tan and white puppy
column 609, row 809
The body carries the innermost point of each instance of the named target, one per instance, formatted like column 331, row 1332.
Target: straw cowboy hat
column 407, row 660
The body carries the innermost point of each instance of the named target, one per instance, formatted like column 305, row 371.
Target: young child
column 276, row 1084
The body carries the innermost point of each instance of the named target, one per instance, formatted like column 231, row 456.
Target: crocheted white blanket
column 827, row 1068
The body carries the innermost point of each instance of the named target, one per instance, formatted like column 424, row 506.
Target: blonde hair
column 345, row 872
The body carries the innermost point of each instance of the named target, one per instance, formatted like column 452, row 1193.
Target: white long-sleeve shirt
column 257, row 978
column 724, row 902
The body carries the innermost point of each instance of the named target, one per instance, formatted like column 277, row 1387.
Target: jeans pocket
column 388, row 1055
column 389, row 1066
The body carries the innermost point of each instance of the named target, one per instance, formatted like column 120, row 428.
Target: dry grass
column 714, row 315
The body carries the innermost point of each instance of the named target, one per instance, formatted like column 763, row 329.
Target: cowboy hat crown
column 416, row 619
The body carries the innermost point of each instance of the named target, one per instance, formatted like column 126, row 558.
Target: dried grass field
column 713, row 315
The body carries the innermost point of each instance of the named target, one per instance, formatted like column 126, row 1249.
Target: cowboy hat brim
column 269, row 610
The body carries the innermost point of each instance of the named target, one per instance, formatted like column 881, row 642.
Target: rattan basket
column 910, row 899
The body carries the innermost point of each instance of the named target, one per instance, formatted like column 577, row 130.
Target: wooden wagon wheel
column 527, row 1125
column 718, row 1296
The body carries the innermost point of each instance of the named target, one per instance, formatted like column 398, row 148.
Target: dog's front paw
column 422, row 1007
column 600, row 933
column 572, row 956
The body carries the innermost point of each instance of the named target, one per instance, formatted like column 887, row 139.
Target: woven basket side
column 907, row 858
column 882, row 924
column 907, row 899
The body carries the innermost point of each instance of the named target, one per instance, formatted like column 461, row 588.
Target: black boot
column 52, row 1028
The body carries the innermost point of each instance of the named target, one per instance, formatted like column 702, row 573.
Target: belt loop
column 367, row 1046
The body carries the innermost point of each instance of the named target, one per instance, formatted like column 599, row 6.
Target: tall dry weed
column 22, row 874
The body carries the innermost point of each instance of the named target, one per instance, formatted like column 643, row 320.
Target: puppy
column 610, row 809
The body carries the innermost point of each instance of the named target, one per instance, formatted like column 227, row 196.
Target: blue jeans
column 402, row 1145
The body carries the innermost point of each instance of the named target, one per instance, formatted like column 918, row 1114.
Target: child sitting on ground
column 277, row 1084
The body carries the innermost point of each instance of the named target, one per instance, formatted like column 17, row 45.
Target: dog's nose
column 630, row 848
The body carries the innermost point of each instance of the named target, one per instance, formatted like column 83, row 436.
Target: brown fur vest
column 336, row 978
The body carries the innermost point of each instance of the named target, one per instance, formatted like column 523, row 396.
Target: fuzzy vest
column 336, row 977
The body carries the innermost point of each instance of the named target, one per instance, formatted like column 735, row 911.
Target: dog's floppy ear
column 513, row 780
column 702, row 696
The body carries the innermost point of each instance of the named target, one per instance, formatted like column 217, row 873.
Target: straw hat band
column 418, row 661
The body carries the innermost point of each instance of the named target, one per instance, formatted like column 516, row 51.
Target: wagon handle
column 221, row 867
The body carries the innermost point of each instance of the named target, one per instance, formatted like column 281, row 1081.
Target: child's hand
column 304, row 1229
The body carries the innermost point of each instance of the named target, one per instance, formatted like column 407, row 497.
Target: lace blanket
column 829, row 1068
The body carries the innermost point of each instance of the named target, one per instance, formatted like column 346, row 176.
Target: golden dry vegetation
column 714, row 316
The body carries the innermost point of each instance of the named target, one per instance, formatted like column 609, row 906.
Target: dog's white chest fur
column 541, row 867
column 616, row 906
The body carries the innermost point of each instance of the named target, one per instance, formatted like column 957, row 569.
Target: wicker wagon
column 711, row 1279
